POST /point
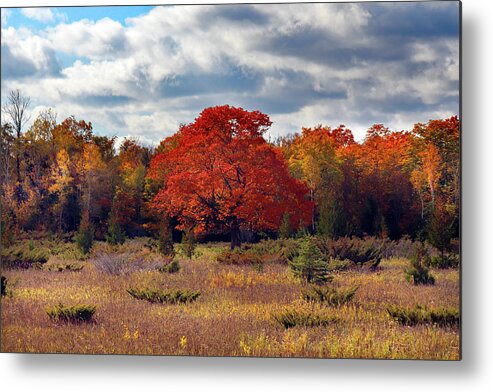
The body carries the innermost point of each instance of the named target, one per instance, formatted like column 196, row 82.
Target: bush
column 336, row 265
column 417, row 273
column 85, row 235
column 285, row 229
column 444, row 261
column 292, row 317
column 309, row 265
column 74, row 314
column 279, row 251
column 169, row 296
column 20, row 256
column 442, row 317
column 115, row 233
column 171, row 267
column 3, row 281
column 238, row 257
column 359, row 251
column 329, row 295
column 188, row 244
column 64, row 267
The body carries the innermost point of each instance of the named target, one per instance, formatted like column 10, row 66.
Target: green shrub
column 444, row 261
column 310, row 266
column 21, row 256
column 171, row 267
column 85, row 235
column 335, row 265
column 115, row 233
column 357, row 250
column 329, row 295
column 417, row 273
column 174, row 296
column 238, row 257
column 276, row 251
column 73, row 314
column 4, row 282
column 285, row 229
column 292, row 317
column 64, row 267
column 188, row 244
column 442, row 317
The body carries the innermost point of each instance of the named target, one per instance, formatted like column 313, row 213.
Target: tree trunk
column 235, row 236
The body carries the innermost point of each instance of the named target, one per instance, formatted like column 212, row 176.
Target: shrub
column 64, row 267
column 188, row 244
column 115, row 233
column 417, row 273
column 168, row 296
column 309, row 265
column 442, row 317
column 336, row 265
column 85, row 235
column 291, row 317
column 3, row 281
column 74, row 314
column 444, row 261
column 20, row 256
column 276, row 251
column 329, row 295
column 285, row 230
column 238, row 257
column 359, row 251
column 171, row 267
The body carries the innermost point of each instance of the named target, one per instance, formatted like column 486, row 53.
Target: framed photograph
column 258, row 180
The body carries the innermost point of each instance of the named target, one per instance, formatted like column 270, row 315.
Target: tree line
column 219, row 177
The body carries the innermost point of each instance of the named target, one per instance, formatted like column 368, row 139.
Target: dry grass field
column 232, row 317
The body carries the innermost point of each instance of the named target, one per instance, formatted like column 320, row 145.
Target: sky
column 141, row 71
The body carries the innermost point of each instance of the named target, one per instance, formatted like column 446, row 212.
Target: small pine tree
column 302, row 231
column 85, row 235
column 165, row 239
column 310, row 265
column 188, row 243
column 285, row 230
column 115, row 233
column 417, row 273
column 441, row 232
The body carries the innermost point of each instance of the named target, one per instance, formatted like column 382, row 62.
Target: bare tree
column 16, row 111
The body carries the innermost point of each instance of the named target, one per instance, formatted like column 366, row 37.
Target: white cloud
column 302, row 64
column 43, row 15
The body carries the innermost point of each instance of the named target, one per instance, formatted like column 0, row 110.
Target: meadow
column 234, row 315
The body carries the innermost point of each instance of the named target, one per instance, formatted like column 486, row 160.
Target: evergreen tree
column 85, row 235
column 310, row 265
column 285, row 230
column 188, row 243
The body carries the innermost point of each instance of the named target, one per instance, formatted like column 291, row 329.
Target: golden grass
column 233, row 315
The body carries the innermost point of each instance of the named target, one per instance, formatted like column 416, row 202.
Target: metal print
column 177, row 180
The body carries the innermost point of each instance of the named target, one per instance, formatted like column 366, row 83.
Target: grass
column 233, row 315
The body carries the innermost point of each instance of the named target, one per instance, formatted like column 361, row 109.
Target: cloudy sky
column 141, row 71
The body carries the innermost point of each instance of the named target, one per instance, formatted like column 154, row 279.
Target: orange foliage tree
column 218, row 174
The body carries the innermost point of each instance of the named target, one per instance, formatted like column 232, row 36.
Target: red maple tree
column 218, row 174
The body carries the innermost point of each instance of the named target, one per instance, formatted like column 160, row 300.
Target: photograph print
column 239, row 180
